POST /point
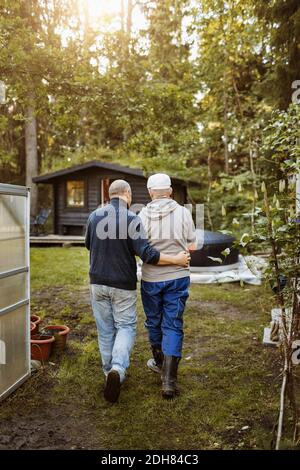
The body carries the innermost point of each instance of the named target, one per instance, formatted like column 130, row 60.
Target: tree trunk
column 209, row 175
column 31, row 150
column 225, row 114
column 122, row 16
column 129, row 18
column 86, row 24
column 298, row 194
column 253, row 177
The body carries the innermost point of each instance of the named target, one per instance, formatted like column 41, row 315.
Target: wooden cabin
column 80, row 189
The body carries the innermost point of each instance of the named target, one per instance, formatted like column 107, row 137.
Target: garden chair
column 39, row 222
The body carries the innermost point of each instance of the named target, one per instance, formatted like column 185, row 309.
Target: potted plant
column 33, row 328
column 60, row 333
column 36, row 320
column 41, row 345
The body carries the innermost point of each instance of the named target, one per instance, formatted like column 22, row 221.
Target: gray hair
column 118, row 188
column 160, row 193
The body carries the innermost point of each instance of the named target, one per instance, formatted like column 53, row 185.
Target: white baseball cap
column 159, row 181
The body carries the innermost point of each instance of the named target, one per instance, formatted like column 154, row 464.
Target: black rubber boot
column 112, row 386
column 155, row 364
column 157, row 356
column 169, row 377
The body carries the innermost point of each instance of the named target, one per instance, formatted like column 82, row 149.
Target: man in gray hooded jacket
column 164, row 289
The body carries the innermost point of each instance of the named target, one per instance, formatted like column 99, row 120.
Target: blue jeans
column 164, row 304
column 115, row 314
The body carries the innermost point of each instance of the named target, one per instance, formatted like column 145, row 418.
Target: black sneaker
column 112, row 387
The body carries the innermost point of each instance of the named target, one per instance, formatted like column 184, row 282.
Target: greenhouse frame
column 14, row 287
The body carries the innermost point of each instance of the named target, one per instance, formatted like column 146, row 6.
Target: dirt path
column 61, row 407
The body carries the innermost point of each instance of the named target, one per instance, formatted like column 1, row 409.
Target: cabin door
column 104, row 195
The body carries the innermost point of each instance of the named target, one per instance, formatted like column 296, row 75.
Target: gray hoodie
column 170, row 229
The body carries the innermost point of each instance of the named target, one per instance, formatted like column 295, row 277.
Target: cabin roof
column 49, row 177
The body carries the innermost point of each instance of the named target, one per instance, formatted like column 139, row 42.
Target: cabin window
column 104, row 194
column 75, row 193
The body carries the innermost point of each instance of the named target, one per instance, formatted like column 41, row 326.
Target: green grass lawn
column 229, row 381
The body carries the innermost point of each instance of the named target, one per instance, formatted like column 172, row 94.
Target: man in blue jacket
column 114, row 237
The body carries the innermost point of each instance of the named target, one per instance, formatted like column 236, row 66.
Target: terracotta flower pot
column 36, row 320
column 41, row 346
column 60, row 333
column 33, row 328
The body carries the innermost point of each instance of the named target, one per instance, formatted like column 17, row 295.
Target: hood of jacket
column 159, row 208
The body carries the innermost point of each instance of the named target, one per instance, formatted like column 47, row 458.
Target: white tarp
column 240, row 273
